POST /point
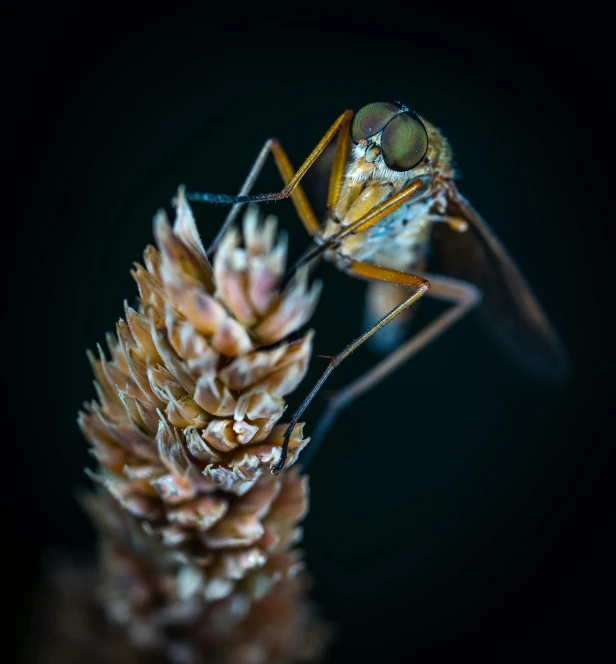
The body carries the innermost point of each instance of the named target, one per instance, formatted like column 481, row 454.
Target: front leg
column 298, row 197
column 284, row 165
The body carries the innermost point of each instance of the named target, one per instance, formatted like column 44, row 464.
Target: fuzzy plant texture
column 197, row 535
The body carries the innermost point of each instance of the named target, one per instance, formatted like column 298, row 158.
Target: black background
column 461, row 508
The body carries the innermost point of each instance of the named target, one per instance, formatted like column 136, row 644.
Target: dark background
column 461, row 507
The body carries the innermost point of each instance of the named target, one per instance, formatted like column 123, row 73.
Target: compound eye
column 404, row 142
column 371, row 119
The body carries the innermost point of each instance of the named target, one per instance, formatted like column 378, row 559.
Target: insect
column 392, row 200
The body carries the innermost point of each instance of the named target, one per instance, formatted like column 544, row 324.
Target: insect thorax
column 399, row 240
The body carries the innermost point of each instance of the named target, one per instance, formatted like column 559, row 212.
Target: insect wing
column 509, row 308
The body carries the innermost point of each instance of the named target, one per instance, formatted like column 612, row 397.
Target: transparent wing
column 509, row 308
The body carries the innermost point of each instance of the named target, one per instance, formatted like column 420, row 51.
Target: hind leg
column 464, row 297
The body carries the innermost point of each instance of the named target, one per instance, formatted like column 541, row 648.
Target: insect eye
column 404, row 142
column 371, row 119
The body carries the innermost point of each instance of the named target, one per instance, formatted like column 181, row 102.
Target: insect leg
column 464, row 297
column 362, row 270
column 363, row 223
column 298, row 197
column 257, row 167
column 335, row 179
column 341, row 123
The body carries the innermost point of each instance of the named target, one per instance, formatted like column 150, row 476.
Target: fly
column 391, row 202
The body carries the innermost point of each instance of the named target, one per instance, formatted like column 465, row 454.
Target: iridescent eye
column 404, row 142
column 370, row 119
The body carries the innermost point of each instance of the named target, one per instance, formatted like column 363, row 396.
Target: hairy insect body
column 401, row 239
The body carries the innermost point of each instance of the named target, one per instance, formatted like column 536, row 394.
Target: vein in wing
column 509, row 308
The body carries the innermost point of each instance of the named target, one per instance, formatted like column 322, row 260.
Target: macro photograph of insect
column 317, row 308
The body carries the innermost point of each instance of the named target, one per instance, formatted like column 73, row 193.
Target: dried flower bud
column 185, row 430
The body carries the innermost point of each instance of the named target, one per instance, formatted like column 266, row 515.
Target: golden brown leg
column 362, row 270
column 339, row 164
column 363, row 223
column 288, row 175
column 464, row 296
column 342, row 123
